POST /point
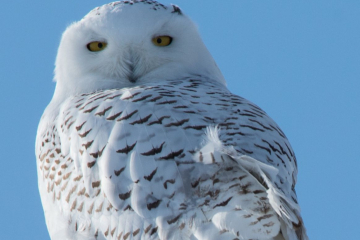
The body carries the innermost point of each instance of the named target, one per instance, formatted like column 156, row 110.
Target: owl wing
column 175, row 160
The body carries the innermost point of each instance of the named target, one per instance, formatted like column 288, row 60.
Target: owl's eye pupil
column 161, row 41
column 100, row 45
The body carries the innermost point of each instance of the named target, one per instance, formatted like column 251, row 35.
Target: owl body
column 149, row 156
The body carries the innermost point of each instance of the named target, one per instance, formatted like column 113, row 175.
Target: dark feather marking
column 282, row 150
column 82, row 108
column 194, row 185
column 281, row 159
column 172, row 195
column 247, row 115
column 223, row 204
column 190, row 90
column 269, row 159
column 247, row 151
column 78, row 128
column 91, row 164
column 98, row 153
column 100, row 97
column 148, row 228
column 153, row 204
column 84, row 134
column 124, row 196
column 201, row 158
column 117, row 173
column 170, row 95
column 171, row 221
column 114, row 116
column 256, row 107
column 79, row 100
column 155, row 99
column 258, row 110
column 127, row 116
column 291, row 153
column 271, row 146
column 172, row 155
column 153, row 231
column 126, row 235
column 244, row 188
column 159, row 121
column 166, row 92
column 264, row 148
column 106, row 233
column 235, row 133
column 88, row 144
column 216, row 180
column 114, row 229
column 67, row 120
column 210, row 119
column 136, row 232
column 268, row 224
column 253, row 128
column 70, row 124
column 131, row 96
column 114, row 96
column 264, row 217
column 178, row 123
column 258, row 191
column 154, row 150
column 91, row 109
column 278, row 131
column 227, row 124
column 222, row 104
column 102, row 113
column 127, row 149
column 93, row 94
column 196, row 127
column 235, row 185
column 212, row 157
column 151, row 175
column 95, row 184
column 167, row 102
column 142, row 120
column 267, row 128
column 228, row 168
column 255, row 113
column 128, row 207
column 181, row 106
column 142, row 98
column 172, row 181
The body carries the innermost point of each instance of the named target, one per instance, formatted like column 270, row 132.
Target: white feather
column 146, row 142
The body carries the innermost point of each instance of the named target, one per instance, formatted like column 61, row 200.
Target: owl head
column 129, row 43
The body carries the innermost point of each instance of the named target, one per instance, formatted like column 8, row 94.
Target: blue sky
column 298, row 60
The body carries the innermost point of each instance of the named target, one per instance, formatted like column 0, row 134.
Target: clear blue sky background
column 298, row 60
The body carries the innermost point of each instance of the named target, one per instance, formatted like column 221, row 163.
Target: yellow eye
column 96, row 46
column 162, row 41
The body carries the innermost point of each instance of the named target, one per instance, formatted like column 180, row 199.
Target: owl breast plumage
column 171, row 158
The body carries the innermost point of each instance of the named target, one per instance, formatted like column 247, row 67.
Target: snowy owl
column 142, row 139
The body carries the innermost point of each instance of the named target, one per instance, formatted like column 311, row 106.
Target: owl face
column 123, row 45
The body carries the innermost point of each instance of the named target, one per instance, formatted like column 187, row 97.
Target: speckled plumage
column 170, row 158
